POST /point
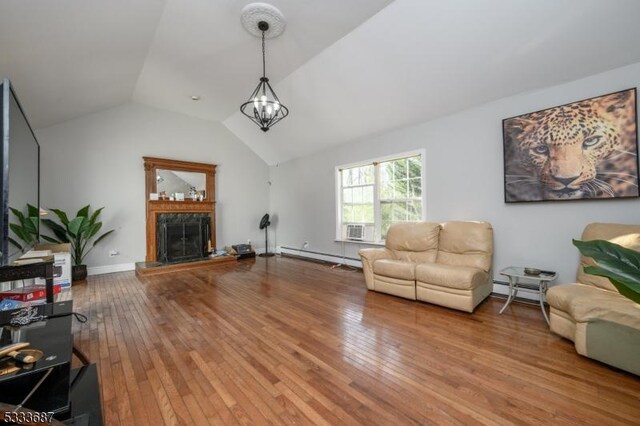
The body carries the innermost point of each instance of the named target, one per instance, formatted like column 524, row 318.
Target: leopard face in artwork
column 582, row 150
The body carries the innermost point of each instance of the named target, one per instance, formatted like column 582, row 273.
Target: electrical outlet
column 305, row 245
column 113, row 253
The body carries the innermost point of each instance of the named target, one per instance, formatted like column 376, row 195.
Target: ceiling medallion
column 263, row 106
column 254, row 13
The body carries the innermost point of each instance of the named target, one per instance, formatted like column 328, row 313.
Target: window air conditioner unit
column 355, row 232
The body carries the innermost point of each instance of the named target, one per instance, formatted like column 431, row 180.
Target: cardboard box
column 61, row 263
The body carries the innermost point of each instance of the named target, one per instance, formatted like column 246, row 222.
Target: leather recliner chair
column 603, row 324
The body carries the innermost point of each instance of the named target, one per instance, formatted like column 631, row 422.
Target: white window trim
column 376, row 196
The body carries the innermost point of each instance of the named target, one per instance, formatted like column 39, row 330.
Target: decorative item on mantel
column 263, row 107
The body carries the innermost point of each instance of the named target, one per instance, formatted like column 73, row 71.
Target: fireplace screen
column 182, row 237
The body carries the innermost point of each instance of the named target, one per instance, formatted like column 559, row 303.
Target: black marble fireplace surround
column 182, row 237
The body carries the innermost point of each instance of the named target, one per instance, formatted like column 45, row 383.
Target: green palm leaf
column 33, row 211
column 17, row 213
column 101, row 237
column 620, row 264
column 75, row 225
column 51, row 240
column 83, row 212
column 58, row 230
column 15, row 243
column 61, row 215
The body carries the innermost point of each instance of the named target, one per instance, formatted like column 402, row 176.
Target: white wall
column 464, row 180
column 97, row 159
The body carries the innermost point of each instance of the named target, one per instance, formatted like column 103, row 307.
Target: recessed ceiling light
column 195, row 98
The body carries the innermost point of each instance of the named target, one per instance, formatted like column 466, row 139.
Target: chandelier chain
column 264, row 72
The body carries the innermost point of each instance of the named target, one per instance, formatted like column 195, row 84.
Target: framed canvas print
column 579, row 151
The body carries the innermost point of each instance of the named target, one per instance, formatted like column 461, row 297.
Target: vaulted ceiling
column 345, row 68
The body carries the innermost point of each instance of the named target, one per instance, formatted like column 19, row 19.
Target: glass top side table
column 537, row 284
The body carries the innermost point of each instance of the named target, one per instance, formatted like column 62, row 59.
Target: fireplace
column 182, row 237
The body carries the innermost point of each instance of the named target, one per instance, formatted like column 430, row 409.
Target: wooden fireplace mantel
column 155, row 207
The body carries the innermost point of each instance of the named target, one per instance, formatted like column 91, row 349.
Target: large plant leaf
column 31, row 225
column 628, row 289
column 620, row 264
column 20, row 232
column 61, row 215
column 101, row 237
column 58, row 230
column 606, row 251
column 75, row 225
column 33, row 211
column 95, row 215
column 93, row 230
column 83, row 212
column 84, row 228
column 15, row 243
column 49, row 239
column 17, row 213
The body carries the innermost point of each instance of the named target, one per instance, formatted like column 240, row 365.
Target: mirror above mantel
column 191, row 184
column 165, row 179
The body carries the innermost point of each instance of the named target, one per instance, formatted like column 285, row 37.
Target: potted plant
column 78, row 232
column 27, row 227
column 620, row 264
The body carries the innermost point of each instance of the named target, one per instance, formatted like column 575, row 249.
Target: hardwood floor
column 287, row 341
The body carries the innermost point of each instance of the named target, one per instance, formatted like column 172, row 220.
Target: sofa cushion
column 586, row 303
column 466, row 244
column 625, row 235
column 460, row 277
column 395, row 269
column 413, row 236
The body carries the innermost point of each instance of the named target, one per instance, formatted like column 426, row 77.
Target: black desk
column 54, row 338
column 73, row 395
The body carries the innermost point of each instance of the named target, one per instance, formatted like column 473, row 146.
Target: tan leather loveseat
column 603, row 324
column 448, row 264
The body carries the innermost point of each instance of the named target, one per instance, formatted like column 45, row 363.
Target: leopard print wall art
column 582, row 150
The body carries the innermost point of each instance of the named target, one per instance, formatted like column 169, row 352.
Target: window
column 379, row 193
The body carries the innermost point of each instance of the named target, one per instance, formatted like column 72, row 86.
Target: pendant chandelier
column 263, row 107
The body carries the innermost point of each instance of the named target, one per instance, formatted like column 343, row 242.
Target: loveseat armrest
column 370, row 255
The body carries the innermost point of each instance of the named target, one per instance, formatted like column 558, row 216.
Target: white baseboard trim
column 109, row 269
column 331, row 258
column 498, row 287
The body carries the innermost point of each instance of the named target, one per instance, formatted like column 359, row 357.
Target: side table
column 537, row 284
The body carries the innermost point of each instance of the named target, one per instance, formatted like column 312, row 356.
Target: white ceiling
column 345, row 68
column 72, row 57
column 420, row 59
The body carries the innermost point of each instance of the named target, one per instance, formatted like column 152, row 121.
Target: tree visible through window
column 400, row 192
column 379, row 194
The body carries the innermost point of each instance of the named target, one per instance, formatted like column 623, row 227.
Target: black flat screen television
column 19, row 179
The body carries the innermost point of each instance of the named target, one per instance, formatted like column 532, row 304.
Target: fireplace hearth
column 182, row 237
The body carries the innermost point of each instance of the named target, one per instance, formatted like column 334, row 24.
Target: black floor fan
column 264, row 224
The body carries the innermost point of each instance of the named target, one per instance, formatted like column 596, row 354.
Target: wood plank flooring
column 284, row 341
